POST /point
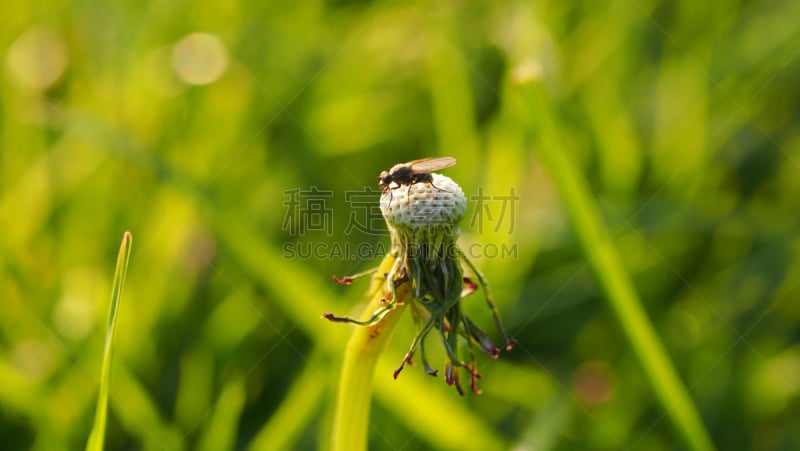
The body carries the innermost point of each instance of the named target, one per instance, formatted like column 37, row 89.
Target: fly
column 417, row 171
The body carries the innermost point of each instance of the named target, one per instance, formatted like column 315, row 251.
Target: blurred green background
column 190, row 123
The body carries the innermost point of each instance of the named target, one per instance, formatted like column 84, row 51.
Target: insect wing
column 431, row 164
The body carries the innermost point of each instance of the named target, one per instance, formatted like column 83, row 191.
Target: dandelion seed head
column 422, row 205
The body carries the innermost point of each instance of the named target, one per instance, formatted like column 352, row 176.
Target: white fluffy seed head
column 440, row 204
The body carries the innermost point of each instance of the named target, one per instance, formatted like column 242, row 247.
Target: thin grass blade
column 97, row 437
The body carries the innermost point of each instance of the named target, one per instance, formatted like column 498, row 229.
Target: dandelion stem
column 351, row 418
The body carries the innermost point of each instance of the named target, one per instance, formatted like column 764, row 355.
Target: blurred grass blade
column 543, row 432
column 606, row 264
column 295, row 412
column 97, row 436
column 220, row 432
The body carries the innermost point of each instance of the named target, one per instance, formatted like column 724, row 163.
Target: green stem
column 351, row 419
column 607, row 266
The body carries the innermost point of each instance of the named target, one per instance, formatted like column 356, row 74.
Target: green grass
column 606, row 263
column 98, row 434
column 654, row 252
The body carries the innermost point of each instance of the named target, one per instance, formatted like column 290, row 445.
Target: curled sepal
column 473, row 377
column 508, row 343
column 347, row 280
column 418, row 340
column 451, row 377
column 406, row 359
column 481, row 337
column 376, row 317
column 469, row 287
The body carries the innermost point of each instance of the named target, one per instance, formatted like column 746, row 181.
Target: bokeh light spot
column 38, row 58
column 34, row 359
column 774, row 384
column 74, row 313
column 199, row 59
column 593, row 383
